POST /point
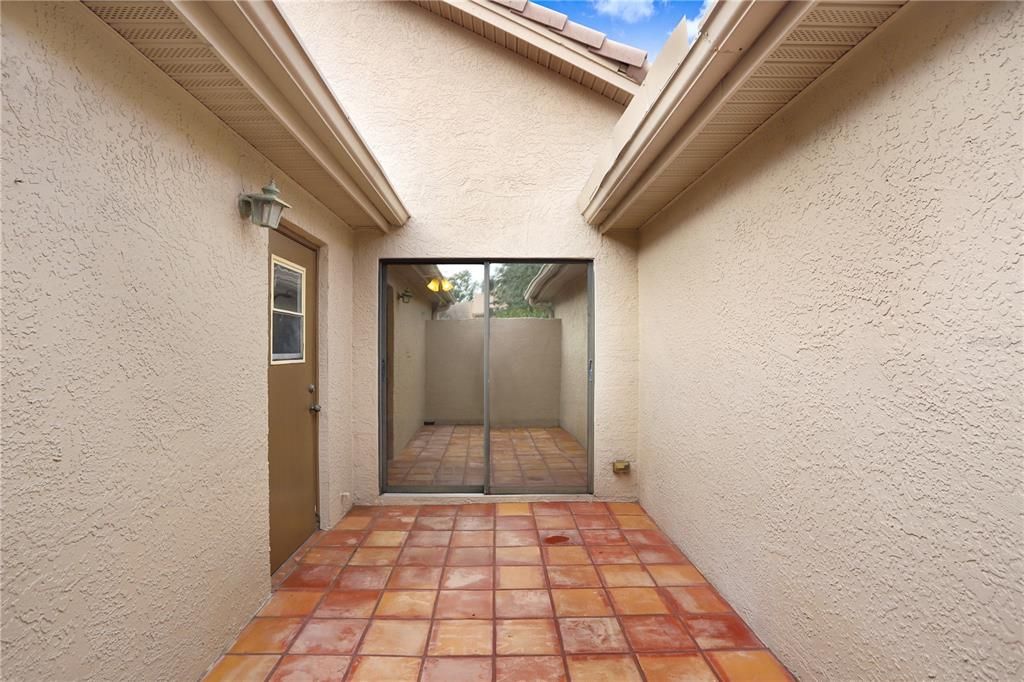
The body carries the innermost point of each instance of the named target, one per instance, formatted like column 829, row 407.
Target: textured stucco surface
column 571, row 306
column 831, row 361
column 134, row 480
column 488, row 151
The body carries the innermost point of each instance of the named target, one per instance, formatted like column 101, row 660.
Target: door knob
column 315, row 407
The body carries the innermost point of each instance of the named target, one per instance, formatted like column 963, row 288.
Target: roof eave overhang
column 257, row 43
column 660, row 148
column 537, row 37
column 682, row 78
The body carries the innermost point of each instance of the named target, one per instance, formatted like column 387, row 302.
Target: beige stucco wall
column 525, row 362
column 410, row 370
column 134, row 479
column 456, row 122
column 571, row 306
column 832, row 358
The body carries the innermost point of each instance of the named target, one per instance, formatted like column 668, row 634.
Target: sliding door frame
column 382, row 375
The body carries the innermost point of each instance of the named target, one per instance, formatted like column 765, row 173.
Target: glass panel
column 286, row 337
column 287, row 288
column 538, row 377
column 433, row 395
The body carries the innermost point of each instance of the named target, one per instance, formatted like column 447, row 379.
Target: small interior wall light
column 263, row 209
column 440, row 284
column 405, row 296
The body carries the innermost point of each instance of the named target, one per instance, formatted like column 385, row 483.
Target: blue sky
column 642, row 23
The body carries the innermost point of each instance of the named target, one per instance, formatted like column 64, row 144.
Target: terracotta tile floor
column 454, row 455
column 507, row 592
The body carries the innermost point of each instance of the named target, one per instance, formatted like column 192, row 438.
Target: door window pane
column 287, row 320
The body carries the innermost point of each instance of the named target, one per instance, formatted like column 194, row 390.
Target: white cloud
column 630, row 11
column 693, row 25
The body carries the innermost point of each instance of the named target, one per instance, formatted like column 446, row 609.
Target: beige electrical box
column 620, row 466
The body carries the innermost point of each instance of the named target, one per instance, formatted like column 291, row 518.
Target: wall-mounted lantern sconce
column 405, row 296
column 440, row 284
column 265, row 208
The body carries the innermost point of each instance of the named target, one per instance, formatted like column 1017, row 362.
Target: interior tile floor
column 507, row 592
column 541, row 457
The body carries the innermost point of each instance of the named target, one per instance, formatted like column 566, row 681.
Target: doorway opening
column 486, row 376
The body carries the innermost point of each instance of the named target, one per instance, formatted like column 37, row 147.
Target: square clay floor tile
column 635, row 522
column 585, row 508
column 562, row 556
column 591, row 635
column 512, row 509
column 581, row 602
column 670, row 575
column 646, row 538
column 515, row 538
column 439, row 510
column 461, row 638
column 468, row 578
column 474, row 523
column 515, row 523
column 603, row 537
column 336, row 556
column 406, row 604
column 603, row 669
column 595, row 521
column 661, row 555
column 550, row 508
column 519, row 577
column 464, row 669
column 390, row 668
column 465, row 604
column 637, row 601
column 625, row 508
column 348, row 604
column 628, row 575
column 374, row 556
column 385, row 538
column 325, row 668
column 470, row 556
column 529, row 669
column 676, row 668
column 555, row 522
column 340, row 538
column 656, row 633
column 573, row 576
column 336, row 636
column 429, row 538
column 243, row 668
column 748, row 666
column 613, row 554
column 522, row 604
column 284, row 603
column 354, row 523
column 476, row 510
column 695, row 599
column 526, row 636
column 560, row 537
column 394, row 523
column 422, row 556
column 396, row 637
column 473, row 538
column 415, row 578
column 267, row 636
column 722, row 632
column 363, row 578
column 434, row 523
column 516, row 556
column 311, row 576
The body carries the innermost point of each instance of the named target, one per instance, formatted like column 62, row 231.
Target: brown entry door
column 293, row 396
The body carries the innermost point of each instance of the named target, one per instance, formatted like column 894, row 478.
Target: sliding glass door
column 486, row 376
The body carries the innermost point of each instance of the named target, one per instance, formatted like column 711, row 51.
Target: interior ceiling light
column 437, row 284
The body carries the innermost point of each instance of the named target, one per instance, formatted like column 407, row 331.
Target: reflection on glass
column 287, row 337
column 287, row 288
column 434, row 406
column 538, row 377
